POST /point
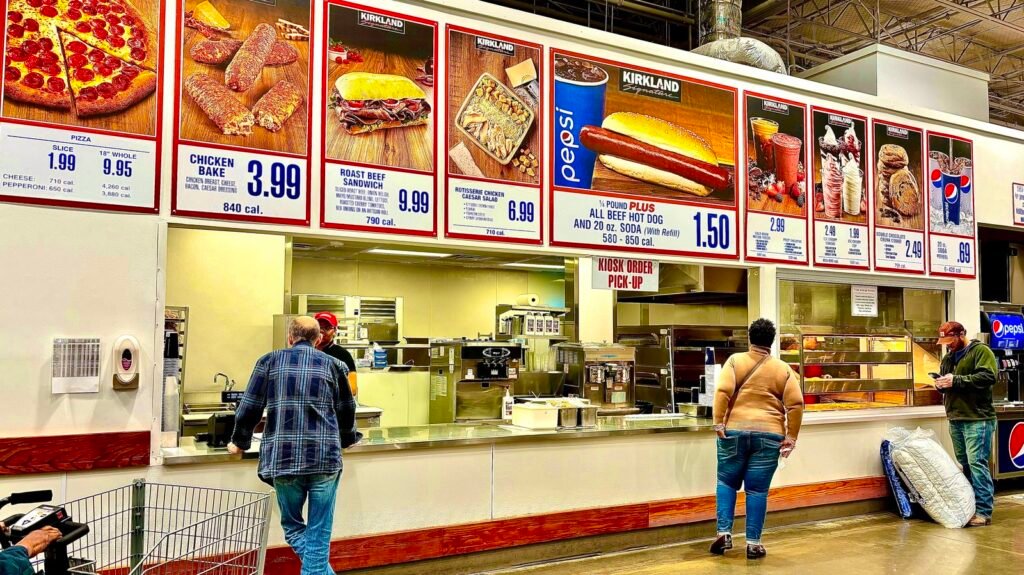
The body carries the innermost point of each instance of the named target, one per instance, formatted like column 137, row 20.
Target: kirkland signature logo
column 371, row 20
column 496, row 46
column 633, row 82
column 840, row 121
column 897, row 132
column 775, row 107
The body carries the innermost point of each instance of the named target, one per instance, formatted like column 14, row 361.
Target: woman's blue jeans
column 747, row 458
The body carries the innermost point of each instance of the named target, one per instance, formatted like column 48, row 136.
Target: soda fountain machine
column 603, row 373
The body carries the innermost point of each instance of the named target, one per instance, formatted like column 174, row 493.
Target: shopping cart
column 155, row 529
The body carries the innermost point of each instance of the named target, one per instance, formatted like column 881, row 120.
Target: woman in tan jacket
column 758, row 410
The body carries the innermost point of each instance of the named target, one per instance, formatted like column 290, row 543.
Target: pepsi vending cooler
column 1003, row 331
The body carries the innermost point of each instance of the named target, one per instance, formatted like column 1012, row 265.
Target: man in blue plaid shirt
column 311, row 417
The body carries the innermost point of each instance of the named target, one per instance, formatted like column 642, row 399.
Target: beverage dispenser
column 1004, row 331
column 602, row 373
column 468, row 378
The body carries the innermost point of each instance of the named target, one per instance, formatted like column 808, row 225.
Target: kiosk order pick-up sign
column 626, row 274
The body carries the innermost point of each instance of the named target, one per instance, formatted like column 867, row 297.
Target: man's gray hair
column 304, row 328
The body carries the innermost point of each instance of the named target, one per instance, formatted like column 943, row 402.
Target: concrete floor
column 877, row 543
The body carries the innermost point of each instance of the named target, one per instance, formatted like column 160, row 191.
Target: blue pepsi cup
column 952, row 187
column 579, row 101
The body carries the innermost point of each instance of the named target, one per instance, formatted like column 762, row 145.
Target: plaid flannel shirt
column 311, row 414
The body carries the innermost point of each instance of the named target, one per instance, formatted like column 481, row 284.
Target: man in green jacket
column 968, row 372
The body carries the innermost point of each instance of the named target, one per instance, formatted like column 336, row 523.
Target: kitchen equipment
column 535, row 416
column 694, row 410
column 601, row 373
column 1002, row 329
column 468, row 378
column 587, row 416
column 568, row 416
column 670, row 358
column 361, row 319
column 219, row 428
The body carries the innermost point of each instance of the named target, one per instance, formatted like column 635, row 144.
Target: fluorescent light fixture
column 386, row 252
column 536, row 266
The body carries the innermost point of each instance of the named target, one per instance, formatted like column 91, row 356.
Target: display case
column 845, row 368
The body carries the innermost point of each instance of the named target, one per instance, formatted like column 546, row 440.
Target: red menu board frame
column 874, row 181
column 308, row 156
column 974, row 236
column 324, row 119
column 156, row 138
column 809, row 187
column 555, row 189
column 539, row 123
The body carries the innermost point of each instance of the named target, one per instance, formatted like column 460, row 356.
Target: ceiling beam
column 986, row 16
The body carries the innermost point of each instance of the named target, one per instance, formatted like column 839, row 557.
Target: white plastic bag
column 936, row 482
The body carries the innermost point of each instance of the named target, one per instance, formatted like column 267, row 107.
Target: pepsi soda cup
column 952, row 188
column 580, row 88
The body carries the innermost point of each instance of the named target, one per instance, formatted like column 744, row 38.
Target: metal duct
column 721, row 24
column 721, row 20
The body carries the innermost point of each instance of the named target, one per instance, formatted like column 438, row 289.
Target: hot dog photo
column 245, row 73
column 776, row 153
column 379, row 89
column 618, row 129
column 898, row 177
column 494, row 95
column 840, row 165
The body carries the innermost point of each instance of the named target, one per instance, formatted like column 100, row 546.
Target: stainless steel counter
column 376, row 439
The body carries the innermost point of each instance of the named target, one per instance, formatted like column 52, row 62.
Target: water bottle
column 380, row 357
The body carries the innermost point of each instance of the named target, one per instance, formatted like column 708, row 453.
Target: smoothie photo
column 775, row 157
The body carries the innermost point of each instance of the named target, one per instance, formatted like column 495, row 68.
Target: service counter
column 432, row 481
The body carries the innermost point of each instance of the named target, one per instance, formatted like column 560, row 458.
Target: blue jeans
column 972, row 444
column 310, row 540
column 748, row 458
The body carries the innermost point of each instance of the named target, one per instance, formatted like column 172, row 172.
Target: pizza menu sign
column 80, row 113
column 242, row 125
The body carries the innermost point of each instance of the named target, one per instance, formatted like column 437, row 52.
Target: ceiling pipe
column 648, row 9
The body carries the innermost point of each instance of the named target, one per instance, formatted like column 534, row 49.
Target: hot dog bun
column 661, row 134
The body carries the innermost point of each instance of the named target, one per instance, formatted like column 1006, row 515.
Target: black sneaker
column 756, row 552
column 722, row 544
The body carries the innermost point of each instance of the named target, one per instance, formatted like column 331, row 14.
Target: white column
column 595, row 321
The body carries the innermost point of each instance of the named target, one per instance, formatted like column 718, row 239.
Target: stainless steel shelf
column 824, row 358
column 836, row 385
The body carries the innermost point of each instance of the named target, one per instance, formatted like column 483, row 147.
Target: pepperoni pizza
column 99, row 56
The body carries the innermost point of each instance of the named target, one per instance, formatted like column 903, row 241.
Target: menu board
column 1017, row 190
column 243, row 121
column 642, row 160
column 494, row 154
column 840, row 190
column 80, row 114
column 951, row 206
column 379, row 121
column 776, row 224
column 900, row 219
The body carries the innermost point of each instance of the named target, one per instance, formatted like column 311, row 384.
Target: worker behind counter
column 328, row 328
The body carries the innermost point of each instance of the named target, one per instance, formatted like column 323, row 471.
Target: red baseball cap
column 328, row 317
column 950, row 332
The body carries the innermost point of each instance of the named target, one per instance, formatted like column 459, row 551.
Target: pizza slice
column 34, row 71
column 114, row 26
column 103, row 83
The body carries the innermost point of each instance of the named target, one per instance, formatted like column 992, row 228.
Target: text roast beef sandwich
column 367, row 102
column 653, row 150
